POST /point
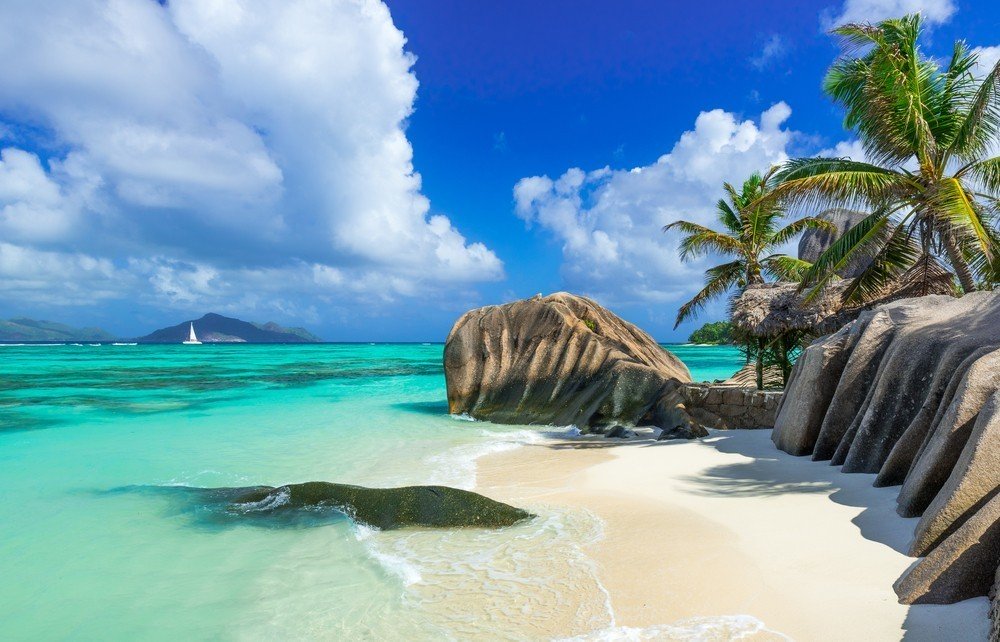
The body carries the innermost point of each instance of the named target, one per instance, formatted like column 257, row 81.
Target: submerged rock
column 560, row 360
column 385, row 508
column 910, row 391
column 389, row 508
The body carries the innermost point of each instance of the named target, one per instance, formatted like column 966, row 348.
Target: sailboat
column 192, row 337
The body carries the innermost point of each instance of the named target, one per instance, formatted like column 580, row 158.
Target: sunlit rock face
column 911, row 391
column 562, row 360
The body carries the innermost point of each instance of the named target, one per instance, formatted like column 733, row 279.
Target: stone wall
column 726, row 407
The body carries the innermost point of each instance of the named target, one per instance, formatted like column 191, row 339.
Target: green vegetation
column 929, row 186
column 590, row 324
column 717, row 332
column 751, row 232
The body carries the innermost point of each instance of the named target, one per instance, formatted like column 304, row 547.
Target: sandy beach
column 730, row 526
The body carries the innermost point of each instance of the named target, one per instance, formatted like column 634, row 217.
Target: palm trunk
column 783, row 346
column 958, row 262
column 760, row 364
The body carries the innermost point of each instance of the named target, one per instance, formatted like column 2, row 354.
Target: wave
column 457, row 466
column 697, row 629
column 124, row 344
column 23, row 345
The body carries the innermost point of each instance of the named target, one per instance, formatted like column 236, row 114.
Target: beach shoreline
column 731, row 527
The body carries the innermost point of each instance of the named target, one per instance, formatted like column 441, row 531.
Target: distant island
column 24, row 329
column 215, row 328
column 718, row 332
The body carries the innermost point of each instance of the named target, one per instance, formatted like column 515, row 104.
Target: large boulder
column 561, row 360
column 909, row 391
column 814, row 242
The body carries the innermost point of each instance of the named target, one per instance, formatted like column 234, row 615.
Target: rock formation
column 385, row 508
column 911, row 391
column 562, row 360
column 814, row 242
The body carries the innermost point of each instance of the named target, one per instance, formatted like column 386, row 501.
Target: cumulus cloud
column 238, row 138
column 934, row 12
column 609, row 221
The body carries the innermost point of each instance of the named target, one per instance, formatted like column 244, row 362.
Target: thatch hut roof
column 773, row 309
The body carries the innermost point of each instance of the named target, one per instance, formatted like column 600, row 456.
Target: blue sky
column 372, row 170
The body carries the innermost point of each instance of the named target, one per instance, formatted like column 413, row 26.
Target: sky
column 370, row 170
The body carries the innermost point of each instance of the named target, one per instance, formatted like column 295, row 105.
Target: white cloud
column 58, row 278
column 236, row 136
column 773, row 49
column 988, row 58
column 934, row 12
column 852, row 149
column 609, row 221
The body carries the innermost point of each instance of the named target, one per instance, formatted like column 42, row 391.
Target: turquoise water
column 708, row 363
column 97, row 542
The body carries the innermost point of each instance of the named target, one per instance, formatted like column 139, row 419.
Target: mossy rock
column 385, row 508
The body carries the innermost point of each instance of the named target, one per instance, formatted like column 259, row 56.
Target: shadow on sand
column 772, row 472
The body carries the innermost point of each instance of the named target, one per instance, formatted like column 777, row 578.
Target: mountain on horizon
column 215, row 328
column 25, row 329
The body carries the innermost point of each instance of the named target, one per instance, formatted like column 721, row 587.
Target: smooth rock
column 619, row 432
column 559, row 360
column 973, row 480
column 960, row 567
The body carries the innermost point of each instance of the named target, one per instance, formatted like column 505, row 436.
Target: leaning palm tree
column 930, row 182
column 751, row 233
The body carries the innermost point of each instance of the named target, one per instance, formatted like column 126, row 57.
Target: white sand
column 731, row 526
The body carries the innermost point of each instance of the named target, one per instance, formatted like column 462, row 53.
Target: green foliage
column 751, row 232
column 717, row 332
column 780, row 352
column 590, row 324
column 926, row 131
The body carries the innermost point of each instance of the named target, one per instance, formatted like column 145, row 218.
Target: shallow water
column 91, row 548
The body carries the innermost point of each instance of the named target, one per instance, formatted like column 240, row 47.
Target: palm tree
column 750, row 222
column 929, row 184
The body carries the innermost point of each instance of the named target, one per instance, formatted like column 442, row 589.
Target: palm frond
column 866, row 237
column 701, row 240
column 986, row 172
column 981, row 120
column 895, row 256
column 954, row 204
column 839, row 180
column 795, row 227
column 718, row 280
column 785, row 268
column 728, row 217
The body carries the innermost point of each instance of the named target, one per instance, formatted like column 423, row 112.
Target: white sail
column 192, row 337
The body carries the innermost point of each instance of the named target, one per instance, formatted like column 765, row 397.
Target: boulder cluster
column 910, row 391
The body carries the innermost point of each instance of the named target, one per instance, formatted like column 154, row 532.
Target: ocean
column 100, row 538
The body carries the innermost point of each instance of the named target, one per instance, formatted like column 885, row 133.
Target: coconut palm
column 751, row 233
column 930, row 182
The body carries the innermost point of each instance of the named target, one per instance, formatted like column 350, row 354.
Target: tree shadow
column 771, row 472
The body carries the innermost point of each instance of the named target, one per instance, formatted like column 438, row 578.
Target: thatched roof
column 772, row 309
